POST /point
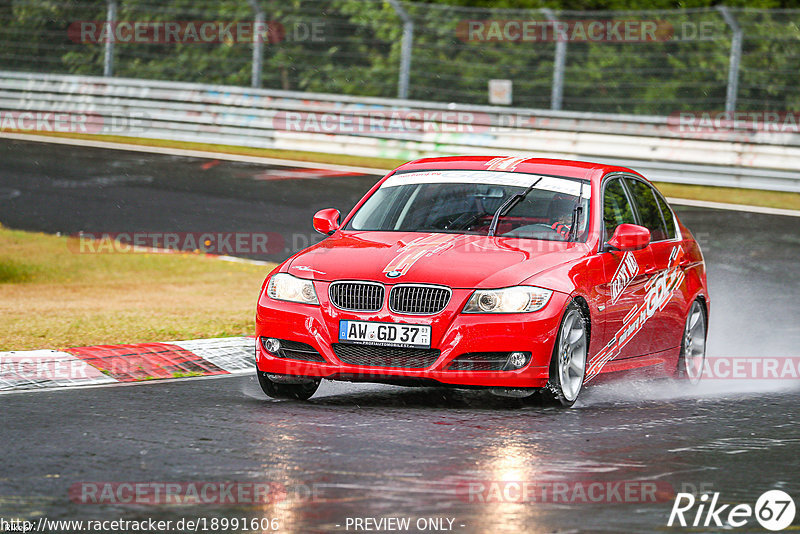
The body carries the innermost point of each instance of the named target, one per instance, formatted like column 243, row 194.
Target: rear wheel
column 568, row 364
column 302, row 391
column 693, row 346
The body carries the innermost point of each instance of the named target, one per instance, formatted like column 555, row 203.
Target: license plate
column 385, row 334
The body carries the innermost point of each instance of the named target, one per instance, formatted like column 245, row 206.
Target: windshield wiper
column 577, row 212
column 470, row 219
column 507, row 205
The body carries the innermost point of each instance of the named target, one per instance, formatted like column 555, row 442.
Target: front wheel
column 568, row 363
column 693, row 346
column 302, row 391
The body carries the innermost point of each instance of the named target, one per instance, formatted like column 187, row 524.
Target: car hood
column 455, row 260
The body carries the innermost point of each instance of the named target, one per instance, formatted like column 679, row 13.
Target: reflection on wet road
column 364, row 450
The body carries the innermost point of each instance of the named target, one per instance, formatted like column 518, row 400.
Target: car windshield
column 465, row 202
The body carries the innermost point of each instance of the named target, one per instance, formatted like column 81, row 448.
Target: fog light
column 271, row 345
column 517, row 360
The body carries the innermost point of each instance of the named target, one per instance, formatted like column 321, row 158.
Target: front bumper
column 452, row 332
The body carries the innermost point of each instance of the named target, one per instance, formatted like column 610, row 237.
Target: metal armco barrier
column 401, row 129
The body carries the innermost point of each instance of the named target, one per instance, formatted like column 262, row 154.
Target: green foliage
column 358, row 51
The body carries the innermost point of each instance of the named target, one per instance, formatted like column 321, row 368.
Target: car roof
column 552, row 167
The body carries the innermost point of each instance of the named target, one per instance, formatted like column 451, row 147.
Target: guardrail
column 659, row 147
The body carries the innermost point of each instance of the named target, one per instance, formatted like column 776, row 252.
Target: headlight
column 519, row 299
column 284, row 286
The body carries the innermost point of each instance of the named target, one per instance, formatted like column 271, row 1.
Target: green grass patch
column 12, row 270
column 186, row 375
column 52, row 297
column 732, row 195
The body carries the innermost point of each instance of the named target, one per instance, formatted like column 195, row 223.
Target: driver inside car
column 560, row 214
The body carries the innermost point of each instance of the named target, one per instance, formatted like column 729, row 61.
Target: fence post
column 111, row 19
column 405, row 52
column 258, row 44
column 735, row 59
column 559, row 60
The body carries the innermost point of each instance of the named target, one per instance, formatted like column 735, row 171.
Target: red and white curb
column 138, row 362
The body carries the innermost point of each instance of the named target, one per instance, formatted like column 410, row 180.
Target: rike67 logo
column 774, row 510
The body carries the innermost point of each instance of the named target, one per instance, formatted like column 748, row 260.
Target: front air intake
column 376, row 356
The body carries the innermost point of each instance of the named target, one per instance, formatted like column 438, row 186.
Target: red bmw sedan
column 526, row 276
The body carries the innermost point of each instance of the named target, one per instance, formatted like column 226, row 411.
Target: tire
column 287, row 391
column 568, row 363
column 693, row 344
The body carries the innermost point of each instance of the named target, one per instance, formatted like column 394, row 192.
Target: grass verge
column 750, row 197
column 732, row 195
column 52, row 298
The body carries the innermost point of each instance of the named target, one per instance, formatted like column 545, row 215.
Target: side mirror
column 327, row 221
column 629, row 237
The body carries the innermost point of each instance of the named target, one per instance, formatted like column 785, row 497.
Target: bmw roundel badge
column 393, row 274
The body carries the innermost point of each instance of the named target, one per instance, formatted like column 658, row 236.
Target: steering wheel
column 542, row 226
column 535, row 228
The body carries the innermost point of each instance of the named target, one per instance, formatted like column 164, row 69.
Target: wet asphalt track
column 369, row 450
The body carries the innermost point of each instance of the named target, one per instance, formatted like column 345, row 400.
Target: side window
column 648, row 208
column 669, row 219
column 616, row 208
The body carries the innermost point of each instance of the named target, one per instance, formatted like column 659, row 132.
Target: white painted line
column 193, row 153
column 733, row 207
column 234, row 259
